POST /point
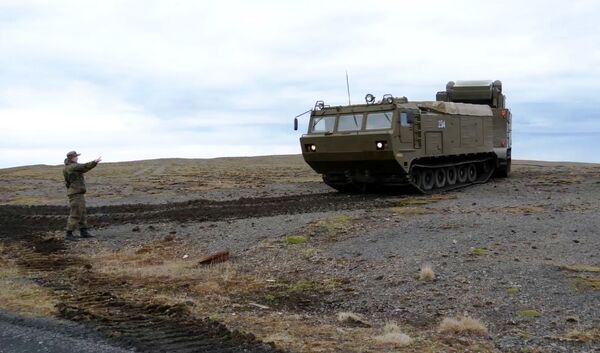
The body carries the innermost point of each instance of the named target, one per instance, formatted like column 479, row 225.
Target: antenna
column 348, row 87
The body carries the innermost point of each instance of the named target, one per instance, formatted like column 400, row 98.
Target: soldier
column 75, row 183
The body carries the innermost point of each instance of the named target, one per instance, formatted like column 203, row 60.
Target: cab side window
column 406, row 119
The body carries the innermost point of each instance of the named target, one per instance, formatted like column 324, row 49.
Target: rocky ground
column 514, row 262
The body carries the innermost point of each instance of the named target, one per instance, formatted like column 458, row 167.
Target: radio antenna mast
column 348, row 87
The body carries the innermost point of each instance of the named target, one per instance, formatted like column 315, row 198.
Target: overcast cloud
column 151, row 79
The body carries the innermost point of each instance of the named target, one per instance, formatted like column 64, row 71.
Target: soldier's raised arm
column 85, row 167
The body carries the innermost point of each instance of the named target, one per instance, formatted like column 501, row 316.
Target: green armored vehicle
column 461, row 138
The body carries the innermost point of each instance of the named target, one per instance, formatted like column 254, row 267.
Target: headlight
column 380, row 145
column 309, row 147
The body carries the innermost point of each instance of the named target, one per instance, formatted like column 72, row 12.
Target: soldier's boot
column 85, row 233
column 70, row 236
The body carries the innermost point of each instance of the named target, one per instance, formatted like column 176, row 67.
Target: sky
column 131, row 80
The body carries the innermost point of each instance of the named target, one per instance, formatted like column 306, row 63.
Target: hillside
column 507, row 266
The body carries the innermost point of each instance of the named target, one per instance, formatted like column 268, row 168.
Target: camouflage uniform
column 75, row 183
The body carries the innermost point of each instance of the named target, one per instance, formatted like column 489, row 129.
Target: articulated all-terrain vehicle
column 461, row 138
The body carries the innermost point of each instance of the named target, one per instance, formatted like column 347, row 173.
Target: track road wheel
column 416, row 177
column 451, row 175
column 440, row 178
column 461, row 176
column 427, row 179
column 471, row 173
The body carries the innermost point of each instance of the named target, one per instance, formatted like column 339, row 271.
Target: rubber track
column 481, row 179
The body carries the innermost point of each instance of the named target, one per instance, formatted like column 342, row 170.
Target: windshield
column 351, row 122
column 322, row 124
column 380, row 120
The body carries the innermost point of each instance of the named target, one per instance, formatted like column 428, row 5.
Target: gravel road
column 45, row 335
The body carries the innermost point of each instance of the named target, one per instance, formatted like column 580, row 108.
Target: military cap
column 73, row 154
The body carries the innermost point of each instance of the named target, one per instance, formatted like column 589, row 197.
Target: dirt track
column 501, row 251
column 22, row 221
column 149, row 327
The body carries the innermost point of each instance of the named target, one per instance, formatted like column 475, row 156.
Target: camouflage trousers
column 78, row 215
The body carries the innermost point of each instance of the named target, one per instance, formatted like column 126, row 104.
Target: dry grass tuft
column 463, row 325
column 582, row 335
column 426, row 273
column 585, row 276
column 414, row 202
column 393, row 335
column 19, row 294
column 169, row 238
column 581, row 268
column 524, row 210
column 332, row 225
column 587, row 282
column 411, row 210
column 352, row 319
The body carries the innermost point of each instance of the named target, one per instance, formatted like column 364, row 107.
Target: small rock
column 575, row 241
column 135, row 229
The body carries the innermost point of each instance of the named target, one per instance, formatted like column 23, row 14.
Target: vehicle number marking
column 441, row 124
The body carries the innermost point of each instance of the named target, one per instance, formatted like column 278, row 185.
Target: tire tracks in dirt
column 19, row 221
column 107, row 303
column 131, row 321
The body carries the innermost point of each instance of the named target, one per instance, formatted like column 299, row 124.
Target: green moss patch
column 296, row 239
column 529, row 313
column 479, row 251
column 512, row 291
column 310, row 286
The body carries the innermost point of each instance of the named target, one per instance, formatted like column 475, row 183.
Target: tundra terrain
column 258, row 255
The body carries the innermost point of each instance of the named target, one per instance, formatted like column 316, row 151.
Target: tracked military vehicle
column 461, row 138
